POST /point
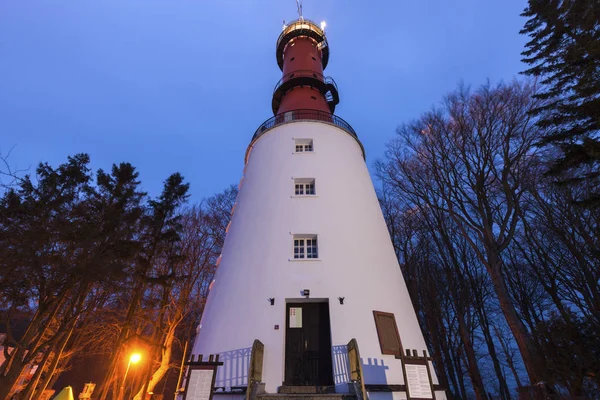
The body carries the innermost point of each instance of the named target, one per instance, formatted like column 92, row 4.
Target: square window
column 304, row 187
column 305, row 247
column 303, row 145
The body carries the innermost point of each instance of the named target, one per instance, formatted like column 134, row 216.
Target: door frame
column 285, row 331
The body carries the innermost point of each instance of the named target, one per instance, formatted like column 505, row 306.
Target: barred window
column 304, row 145
column 304, row 187
column 305, row 247
column 387, row 331
column 299, row 247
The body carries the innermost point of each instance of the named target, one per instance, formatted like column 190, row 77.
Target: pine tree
column 564, row 53
column 62, row 238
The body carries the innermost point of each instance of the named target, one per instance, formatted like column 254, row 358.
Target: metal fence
column 305, row 73
column 304, row 115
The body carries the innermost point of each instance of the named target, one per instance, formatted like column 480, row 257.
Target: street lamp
column 133, row 359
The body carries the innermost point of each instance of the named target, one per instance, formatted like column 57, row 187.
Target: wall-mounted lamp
column 341, row 299
column 306, row 292
column 272, row 300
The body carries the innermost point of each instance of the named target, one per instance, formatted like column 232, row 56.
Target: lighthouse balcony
column 306, row 77
column 303, row 116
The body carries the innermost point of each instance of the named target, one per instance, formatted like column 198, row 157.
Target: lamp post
column 133, row 359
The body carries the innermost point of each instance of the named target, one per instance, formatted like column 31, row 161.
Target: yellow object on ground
column 65, row 394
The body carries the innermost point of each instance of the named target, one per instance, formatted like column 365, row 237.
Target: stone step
column 306, row 396
column 306, row 389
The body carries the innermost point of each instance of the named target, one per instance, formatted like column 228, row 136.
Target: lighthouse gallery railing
column 306, row 115
column 305, row 73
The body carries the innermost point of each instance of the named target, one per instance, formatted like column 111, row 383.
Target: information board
column 295, row 317
column 418, row 381
column 200, row 384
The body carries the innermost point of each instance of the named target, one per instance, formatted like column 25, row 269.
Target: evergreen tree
column 61, row 237
column 564, row 52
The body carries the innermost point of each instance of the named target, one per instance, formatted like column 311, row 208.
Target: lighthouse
column 308, row 273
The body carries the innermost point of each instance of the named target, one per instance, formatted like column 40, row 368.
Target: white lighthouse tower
column 308, row 267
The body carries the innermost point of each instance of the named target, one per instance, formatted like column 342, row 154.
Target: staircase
column 306, row 393
column 256, row 387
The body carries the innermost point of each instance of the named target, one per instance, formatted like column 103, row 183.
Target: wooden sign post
column 417, row 376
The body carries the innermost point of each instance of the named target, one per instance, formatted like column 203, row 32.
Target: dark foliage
column 91, row 268
column 564, row 52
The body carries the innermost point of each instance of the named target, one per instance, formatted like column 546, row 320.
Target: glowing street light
column 133, row 359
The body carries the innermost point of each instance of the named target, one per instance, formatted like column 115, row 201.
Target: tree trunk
column 163, row 367
column 57, row 357
column 471, row 362
column 109, row 378
column 509, row 358
column 443, row 373
column 485, row 328
column 458, row 362
column 480, row 310
column 13, row 367
column 522, row 337
column 27, row 394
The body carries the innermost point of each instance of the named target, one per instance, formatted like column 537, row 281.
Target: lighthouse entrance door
column 308, row 345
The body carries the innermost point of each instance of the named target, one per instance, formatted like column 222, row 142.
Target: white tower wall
column 356, row 260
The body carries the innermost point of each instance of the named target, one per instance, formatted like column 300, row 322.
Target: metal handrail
column 301, row 24
column 304, row 115
column 304, row 73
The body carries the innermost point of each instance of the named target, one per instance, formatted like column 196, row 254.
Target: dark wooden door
column 308, row 345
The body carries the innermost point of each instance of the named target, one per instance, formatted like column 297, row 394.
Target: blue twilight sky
column 181, row 85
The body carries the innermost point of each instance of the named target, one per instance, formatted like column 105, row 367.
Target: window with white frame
column 304, row 187
column 305, row 247
column 304, row 145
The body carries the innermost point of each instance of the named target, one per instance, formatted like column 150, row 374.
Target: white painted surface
column 200, row 385
column 417, row 381
column 357, row 260
column 387, row 396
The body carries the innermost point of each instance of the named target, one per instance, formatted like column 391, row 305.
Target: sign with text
column 200, row 384
column 417, row 381
column 295, row 317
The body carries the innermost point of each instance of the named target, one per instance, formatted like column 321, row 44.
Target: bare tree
column 202, row 237
column 471, row 160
